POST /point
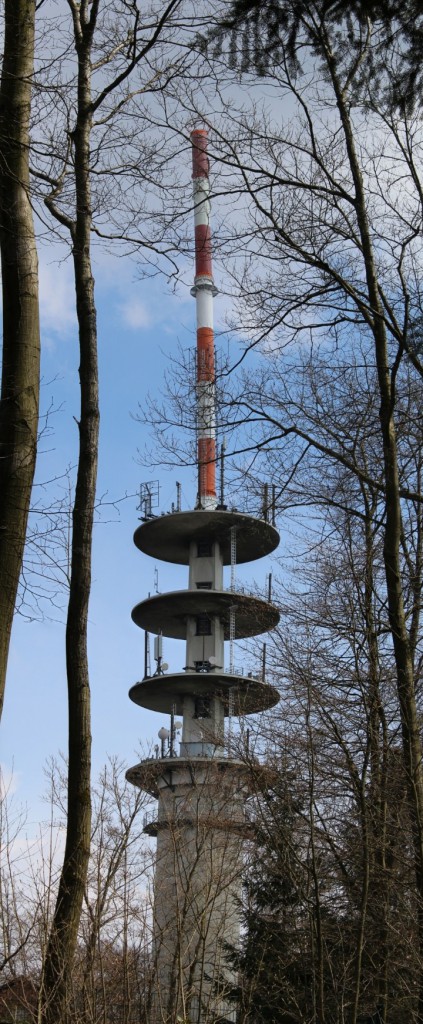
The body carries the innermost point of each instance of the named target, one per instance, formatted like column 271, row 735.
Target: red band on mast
column 205, row 354
column 203, row 252
column 207, row 467
column 200, row 160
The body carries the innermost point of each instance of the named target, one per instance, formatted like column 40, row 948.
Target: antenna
column 172, row 730
column 147, row 662
column 204, row 291
column 149, row 498
column 161, row 666
column 265, row 502
column 232, row 612
column 263, row 664
column 212, row 614
column 230, row 714
column 222, row 473
column 233, row 556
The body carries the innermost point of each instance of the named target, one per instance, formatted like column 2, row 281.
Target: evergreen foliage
column 261, row 32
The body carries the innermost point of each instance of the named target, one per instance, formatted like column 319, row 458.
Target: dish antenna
column 163, row 735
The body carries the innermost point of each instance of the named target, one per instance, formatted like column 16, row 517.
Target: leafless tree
column 329, row 207
column 322, row 233
column 111, row 967
column 110, row 42
column 21, row 335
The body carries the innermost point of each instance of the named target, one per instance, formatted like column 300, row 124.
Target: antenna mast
column 204, row 290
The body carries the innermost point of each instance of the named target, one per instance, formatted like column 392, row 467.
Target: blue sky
column 140, row 324
column 137, row 321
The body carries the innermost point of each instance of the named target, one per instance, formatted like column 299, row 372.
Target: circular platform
column 168, row 537
column 168, row 613
column 147, row 773
column 156, row 825
column 162, row 693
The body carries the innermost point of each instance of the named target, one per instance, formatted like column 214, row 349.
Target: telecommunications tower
column 200, row 781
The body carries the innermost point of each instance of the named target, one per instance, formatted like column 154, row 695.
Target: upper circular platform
column 166, row 692
column 168, row 613
column 168, row 537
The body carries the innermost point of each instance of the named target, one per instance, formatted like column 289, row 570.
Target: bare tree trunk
column 56, row 984
column 317, row 946
column 61, row 947
column 21, row 333
column 376, row 826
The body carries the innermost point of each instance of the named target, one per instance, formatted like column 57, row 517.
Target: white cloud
column 57, row 296
column 134, row 313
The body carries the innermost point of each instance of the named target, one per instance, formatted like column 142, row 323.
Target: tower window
column 202, row 707
column 203, row 625
column 204, row 586
column 204, row 549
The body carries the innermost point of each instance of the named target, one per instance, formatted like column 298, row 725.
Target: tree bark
column 56, row 983
column 21, row 333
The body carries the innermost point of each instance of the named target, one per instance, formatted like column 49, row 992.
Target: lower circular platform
column 155, row 825
column 162, row 693
column 147, row 774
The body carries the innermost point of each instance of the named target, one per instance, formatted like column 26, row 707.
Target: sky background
column 140, row 324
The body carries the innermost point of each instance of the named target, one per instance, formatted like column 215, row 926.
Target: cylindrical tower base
column 200, row 829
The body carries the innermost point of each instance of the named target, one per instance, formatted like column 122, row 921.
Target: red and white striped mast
column 204, row 291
